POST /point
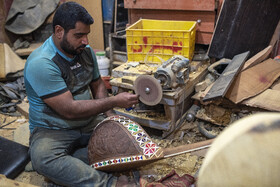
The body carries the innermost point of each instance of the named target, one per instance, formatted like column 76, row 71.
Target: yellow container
column 155, row 41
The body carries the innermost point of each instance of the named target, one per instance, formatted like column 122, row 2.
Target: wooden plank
column 254, row 81
column 173, row 151
column 244, row 26
column 4, row 8
column 207, row 18
column 94, row 8
column 222, row 84
column 220, row 4
column 244, row 154
column 269, row 100
column 205, row 5
column 203, row 37
column 259, row 57
column 204, row 29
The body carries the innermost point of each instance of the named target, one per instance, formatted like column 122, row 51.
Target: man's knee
column 38, row 154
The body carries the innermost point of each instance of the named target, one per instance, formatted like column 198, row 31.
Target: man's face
column 76, row 39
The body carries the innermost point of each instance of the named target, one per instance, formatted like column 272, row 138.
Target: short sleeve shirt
column 47, row 73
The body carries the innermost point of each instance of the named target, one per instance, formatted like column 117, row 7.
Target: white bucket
column 103, row 63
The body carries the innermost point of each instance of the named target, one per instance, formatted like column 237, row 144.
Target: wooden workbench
column 175, row 102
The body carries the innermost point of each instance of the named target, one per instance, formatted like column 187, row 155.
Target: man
column 66, row 94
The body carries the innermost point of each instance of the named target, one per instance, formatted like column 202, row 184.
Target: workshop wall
column 94, row 7
column 4, row 9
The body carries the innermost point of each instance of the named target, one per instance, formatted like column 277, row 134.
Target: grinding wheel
column 149, row 89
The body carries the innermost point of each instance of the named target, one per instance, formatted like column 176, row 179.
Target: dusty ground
column 8, row 132
column 16, row 128
column 183, row 164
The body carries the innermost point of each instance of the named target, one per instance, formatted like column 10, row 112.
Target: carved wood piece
column 119, row 144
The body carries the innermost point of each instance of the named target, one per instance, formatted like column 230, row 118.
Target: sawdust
column 215, row 114
column 182, row 164
column 127, row 69
column 186, row 163
column 151, row 115
column 31, row 178
column 7, row 131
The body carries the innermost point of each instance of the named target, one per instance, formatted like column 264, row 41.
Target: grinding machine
column 164, row 92
column 168, row 76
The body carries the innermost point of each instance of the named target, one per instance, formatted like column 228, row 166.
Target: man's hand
column 67, row 107
column 126, row 100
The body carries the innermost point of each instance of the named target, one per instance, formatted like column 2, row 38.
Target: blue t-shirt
column 47, row 73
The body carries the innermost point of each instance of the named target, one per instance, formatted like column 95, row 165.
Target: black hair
column 69, row 13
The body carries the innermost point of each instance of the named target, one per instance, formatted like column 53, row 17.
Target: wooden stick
column 168, row 152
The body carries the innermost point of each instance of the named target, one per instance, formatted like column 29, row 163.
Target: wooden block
column 201, row 86
column 128, row 79
column 171, row 5
column 222, row 84
column 254, row 81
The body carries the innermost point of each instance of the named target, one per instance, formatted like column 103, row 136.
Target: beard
column 68, row 48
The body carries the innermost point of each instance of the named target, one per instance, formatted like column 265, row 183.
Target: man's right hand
column 126, row 100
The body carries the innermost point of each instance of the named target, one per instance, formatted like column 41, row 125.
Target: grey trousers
column 54, row 155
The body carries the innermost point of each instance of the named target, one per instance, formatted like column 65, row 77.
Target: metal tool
column 173, row 72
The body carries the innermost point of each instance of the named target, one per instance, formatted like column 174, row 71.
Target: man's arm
column 67, row 107
column 99, row 91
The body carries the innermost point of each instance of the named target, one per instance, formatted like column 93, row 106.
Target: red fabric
column 170, row 180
